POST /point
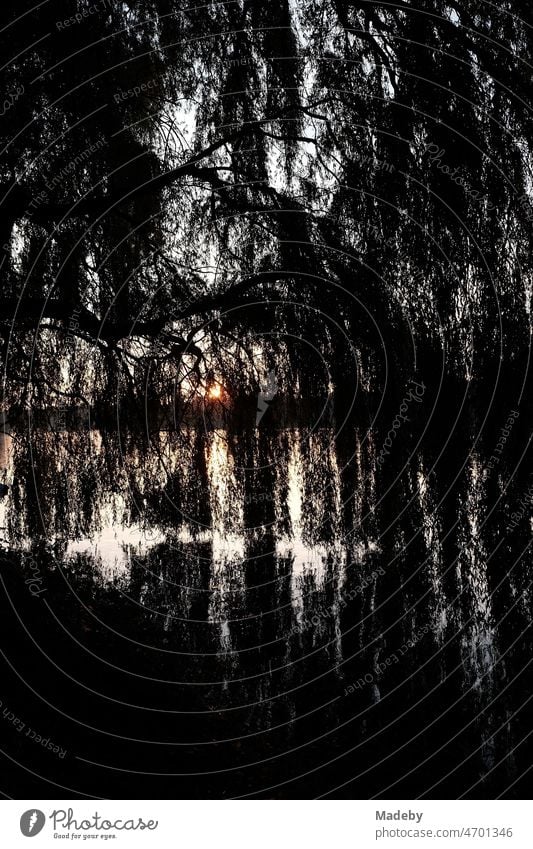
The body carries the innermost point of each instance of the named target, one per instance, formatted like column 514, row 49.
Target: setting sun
column 215, row 392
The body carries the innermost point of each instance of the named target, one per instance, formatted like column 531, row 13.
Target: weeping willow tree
column 197, row 184
column 337, row 194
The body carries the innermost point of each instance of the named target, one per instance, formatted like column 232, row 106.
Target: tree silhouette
column 165, row 167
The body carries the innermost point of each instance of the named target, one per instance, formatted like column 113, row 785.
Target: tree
column 356, row 169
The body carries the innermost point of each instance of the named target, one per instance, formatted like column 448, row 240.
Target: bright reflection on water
column 270, row 506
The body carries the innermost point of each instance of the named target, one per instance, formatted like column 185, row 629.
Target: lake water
column 269, row 613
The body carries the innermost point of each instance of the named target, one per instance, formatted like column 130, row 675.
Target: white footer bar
column 267, row 824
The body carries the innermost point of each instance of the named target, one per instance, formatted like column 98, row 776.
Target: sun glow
column 215, row 392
